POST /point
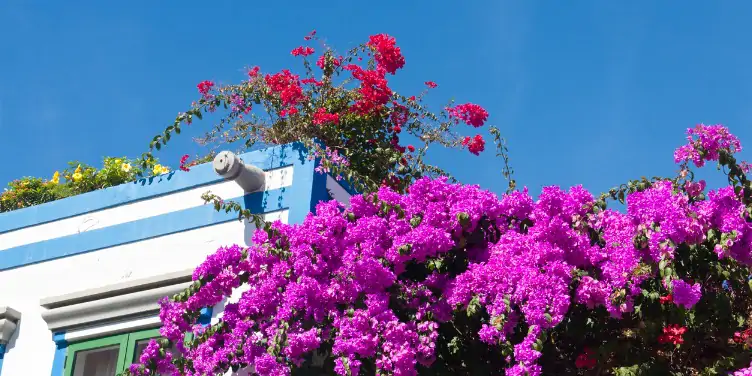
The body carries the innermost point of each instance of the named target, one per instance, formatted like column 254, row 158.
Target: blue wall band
column 3, row 347
column 61, row 349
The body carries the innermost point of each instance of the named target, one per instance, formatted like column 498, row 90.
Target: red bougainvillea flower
column 742, row 337
column 374, row 91
column 302, row 51
column 411, row 148
column 323, row 117
column 470, row 113
column 672, row 334
column 388, row 55
column 311, row 80
column 287, row 86
column 253, row 72
column 183, row 165
column 666, row 299
column 475, row 144
column 399, row 115
column 204, row 87
column 586, row 359
column 431, row 84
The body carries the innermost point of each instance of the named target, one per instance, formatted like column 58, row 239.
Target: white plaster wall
column 336, row 191
column 31, row 351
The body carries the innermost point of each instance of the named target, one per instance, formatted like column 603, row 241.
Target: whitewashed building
column 80, row 278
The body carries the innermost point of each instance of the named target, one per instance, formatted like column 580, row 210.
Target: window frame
column 127, row 346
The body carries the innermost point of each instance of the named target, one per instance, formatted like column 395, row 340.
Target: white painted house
column 80, row 278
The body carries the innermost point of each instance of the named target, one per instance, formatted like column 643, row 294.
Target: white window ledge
column 8, row 323
column 109, row 304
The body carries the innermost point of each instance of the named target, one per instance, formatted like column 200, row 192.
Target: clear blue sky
column 591, row 92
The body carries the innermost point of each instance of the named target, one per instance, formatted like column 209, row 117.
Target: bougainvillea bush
column 342, row 107
column 449, row 279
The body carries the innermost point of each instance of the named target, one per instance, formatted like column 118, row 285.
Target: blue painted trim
column 61, row 350
column 206, row 315
column 319, row 192
column 3, row 347
column 147, row 228
column 275, row 157
column 301, row 191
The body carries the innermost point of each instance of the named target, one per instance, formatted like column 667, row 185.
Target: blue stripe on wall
column 147, row 228
column 279, row 156
column 61, row 349
column 2, row 356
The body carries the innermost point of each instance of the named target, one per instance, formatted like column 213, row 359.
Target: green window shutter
column 133, row 338
column 126, row 343
column 120, row 340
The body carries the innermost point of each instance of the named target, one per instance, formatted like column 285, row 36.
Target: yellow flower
column 55, row 178
column 78, row 170
column 159, row 169
column 77, row 176
column 126, row 167
column 118, row 161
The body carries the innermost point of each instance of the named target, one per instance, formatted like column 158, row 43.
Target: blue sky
column 591, row 92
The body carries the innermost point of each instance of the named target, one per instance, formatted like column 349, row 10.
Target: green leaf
column 473, row 307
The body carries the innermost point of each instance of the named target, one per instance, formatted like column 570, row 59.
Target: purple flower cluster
column 345, row 277
column 686, row 295
column 704, row 144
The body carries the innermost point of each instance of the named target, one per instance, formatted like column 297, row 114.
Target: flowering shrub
column 341, row 105
column 449, row 279
column 76, row 179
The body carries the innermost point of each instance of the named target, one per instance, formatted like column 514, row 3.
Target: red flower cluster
column 672, row 334
column 183, row 165
column 323, row 117
column 411, row 148
column 302, row 51
column 374, row 92
column 253, row 72
column 399, row 115
column 431, row 84
column 475, row 144
column 586, row 359
column 204, row 87
column 743, row 337
column 666, row 299
column 311, row 80
column 471, row 114
column 388, row 55
column 287, row 86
